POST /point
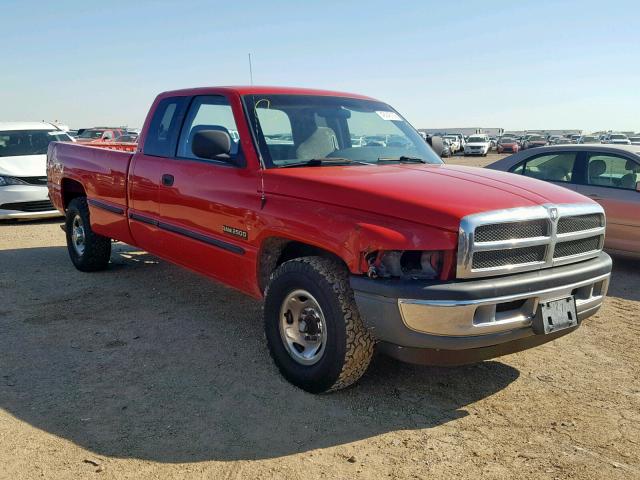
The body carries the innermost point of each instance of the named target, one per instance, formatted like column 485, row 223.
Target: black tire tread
column 97, row 247
column 359, row 342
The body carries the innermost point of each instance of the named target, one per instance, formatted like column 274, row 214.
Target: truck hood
column 24, row 166
column 434, row 195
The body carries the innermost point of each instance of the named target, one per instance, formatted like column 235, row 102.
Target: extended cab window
column 612, row 171
column 554, row 167
column 209, row 112
column 162, row 134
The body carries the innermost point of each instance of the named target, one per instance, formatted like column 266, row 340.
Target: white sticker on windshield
column 393, row 116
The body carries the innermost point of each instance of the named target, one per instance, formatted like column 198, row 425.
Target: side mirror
column 212, row 144
column 637, row 186
column 437, row 145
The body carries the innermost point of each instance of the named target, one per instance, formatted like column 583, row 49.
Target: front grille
column 576, row 247
column 528, row 238
column 38, row 206
column 504, row 258
column 34, row 180
column 580, row 222
column 512, row 230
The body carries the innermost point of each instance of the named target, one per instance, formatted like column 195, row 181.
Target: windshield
column 476, row 140
column 29, row 142
column 590, row 139
column 296, row 128
column 535, row 138
column 91, row 134
column 507, row 140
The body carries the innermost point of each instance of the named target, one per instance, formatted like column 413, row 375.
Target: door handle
column 167, row 180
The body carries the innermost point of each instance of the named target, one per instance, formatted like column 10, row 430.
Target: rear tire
column 341, row 347
column 88, row 251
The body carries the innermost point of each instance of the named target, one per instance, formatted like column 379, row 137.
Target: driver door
column 206, row 206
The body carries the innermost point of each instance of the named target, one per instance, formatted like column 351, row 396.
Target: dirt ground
column 147, row 371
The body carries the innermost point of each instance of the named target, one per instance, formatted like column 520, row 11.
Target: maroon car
column 534, row 141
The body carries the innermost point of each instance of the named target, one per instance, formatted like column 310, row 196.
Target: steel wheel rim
column 303, row 328
column 77, row 235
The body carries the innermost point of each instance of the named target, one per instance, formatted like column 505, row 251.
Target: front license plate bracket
column 555, row 315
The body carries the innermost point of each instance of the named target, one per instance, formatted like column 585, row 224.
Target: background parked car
column 89, row 135
column 477, row 145
column 446, row 149
column 617, row 139
column 439, row 145
column 608, row 174
column 462, row 140
column 508, row 145
column 454, row 140
column 635, row 140
column 588, row 139
column 23, row 169
column 125, row 138
column 532, row 141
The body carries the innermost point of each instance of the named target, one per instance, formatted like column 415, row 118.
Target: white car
column 477, row 145
column 635, row 140
column 455, row 142
column 23, row 169
column 617, row 139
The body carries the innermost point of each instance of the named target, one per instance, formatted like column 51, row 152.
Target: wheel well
column 70, row 190
column 275, row 251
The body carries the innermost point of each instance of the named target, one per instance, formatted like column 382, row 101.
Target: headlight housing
column 407, row 264
column 5, row 181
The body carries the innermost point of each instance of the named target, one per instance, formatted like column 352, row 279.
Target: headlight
column 4, row 181
column 418, row 264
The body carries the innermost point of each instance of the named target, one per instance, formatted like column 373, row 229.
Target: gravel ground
column 149, row 371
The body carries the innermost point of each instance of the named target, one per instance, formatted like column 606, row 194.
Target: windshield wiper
column 402, row 159
column 318, row 162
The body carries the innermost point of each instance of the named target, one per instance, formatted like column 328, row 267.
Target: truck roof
column 262, row 90
column 9, row 126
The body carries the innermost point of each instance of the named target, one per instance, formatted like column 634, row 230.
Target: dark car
column 610, row 174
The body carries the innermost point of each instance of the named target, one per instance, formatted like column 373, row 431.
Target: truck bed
column 101, row 173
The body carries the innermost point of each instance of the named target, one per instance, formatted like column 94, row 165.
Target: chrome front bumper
column 491, row 316
column 463, row 318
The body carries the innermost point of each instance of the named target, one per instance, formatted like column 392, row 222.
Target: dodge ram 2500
column 351, row 246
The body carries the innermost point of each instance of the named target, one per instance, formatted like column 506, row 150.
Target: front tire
column 314, row 331
column 88, row 251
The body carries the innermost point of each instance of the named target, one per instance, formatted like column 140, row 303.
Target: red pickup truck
column 352, row 245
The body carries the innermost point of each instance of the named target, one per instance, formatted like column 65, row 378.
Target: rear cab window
column 162, row 135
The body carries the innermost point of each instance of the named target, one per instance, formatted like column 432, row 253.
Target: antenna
column 250, row 71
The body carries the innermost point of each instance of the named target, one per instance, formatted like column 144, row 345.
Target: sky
column 510, row 64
